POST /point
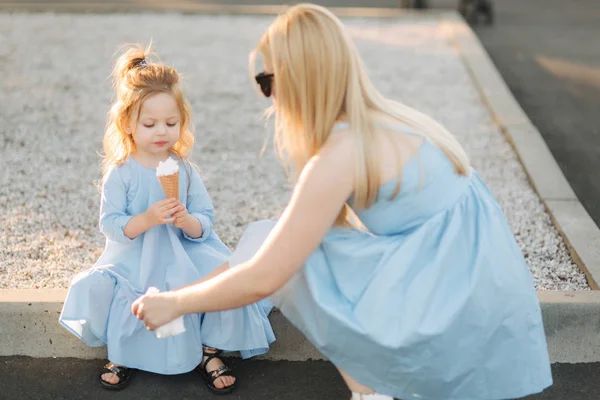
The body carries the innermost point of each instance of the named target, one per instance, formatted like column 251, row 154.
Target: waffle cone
column 170, row 185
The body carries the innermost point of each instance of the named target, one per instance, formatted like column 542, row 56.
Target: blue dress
column 435, row 302
column 98, row 305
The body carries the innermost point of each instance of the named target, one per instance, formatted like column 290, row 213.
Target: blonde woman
column 392, row 256
column 153, row 241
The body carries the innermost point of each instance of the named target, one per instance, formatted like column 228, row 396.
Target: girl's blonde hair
column 320, row 79
column 135, row 79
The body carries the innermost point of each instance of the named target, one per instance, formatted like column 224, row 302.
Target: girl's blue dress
column 435, row 302
column 98, row 305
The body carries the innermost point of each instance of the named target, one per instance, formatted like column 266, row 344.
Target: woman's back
column 428, row 180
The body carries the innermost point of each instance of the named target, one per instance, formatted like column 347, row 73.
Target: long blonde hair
column 319, row 79
column 135, row 79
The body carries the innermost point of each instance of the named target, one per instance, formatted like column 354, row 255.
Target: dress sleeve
column 200, row 206
column 113, row 207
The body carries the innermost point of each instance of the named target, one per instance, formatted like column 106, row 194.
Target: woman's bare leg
column 360, row 391
column 354, row 386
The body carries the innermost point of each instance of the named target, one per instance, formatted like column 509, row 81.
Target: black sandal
column 211, row 376
column 123, row 373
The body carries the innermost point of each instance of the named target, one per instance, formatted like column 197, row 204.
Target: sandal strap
column 121, row 372
column 217, row 373
column 210, row 355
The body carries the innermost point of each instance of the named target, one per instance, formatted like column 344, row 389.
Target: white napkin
column 172, row 328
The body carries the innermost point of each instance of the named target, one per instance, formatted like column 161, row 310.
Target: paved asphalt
column 26, row 378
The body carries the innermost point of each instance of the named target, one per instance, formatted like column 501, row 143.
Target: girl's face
column 158, row 127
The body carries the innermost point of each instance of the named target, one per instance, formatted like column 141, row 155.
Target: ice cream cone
column 170, row 185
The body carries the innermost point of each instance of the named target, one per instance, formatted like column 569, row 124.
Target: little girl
column 153, row 241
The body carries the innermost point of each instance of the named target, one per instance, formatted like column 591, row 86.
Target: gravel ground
column 54, row 96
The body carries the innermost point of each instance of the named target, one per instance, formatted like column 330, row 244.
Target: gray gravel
column 54, row 97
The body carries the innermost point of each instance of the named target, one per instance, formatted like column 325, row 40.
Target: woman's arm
column 324, row 186
column 218, row 271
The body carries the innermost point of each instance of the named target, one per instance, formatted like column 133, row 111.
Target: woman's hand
column 156, row 310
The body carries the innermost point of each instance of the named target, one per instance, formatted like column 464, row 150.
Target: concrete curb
column 30, row 328
column 186, row 7
column 30, row 317
column 581, row 234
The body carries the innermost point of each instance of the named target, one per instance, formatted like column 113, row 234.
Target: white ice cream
column 172, row 328
column 167, row 167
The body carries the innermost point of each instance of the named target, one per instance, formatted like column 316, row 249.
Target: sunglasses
column 265, row 81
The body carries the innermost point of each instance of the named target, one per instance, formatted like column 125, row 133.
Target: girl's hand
column 162, row 212
column 180, row 216
column 155, row 310
column 188, row 223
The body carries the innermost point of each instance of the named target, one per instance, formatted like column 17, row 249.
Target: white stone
column 55, row 97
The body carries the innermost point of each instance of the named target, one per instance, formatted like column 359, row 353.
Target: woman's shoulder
column 339, row 143
column 336, row 157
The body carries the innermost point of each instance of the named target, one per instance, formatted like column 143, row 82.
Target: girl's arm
column 199, row 221
column 136, row 226
column 114, row 220
column 157, row 214
column 324, row 186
